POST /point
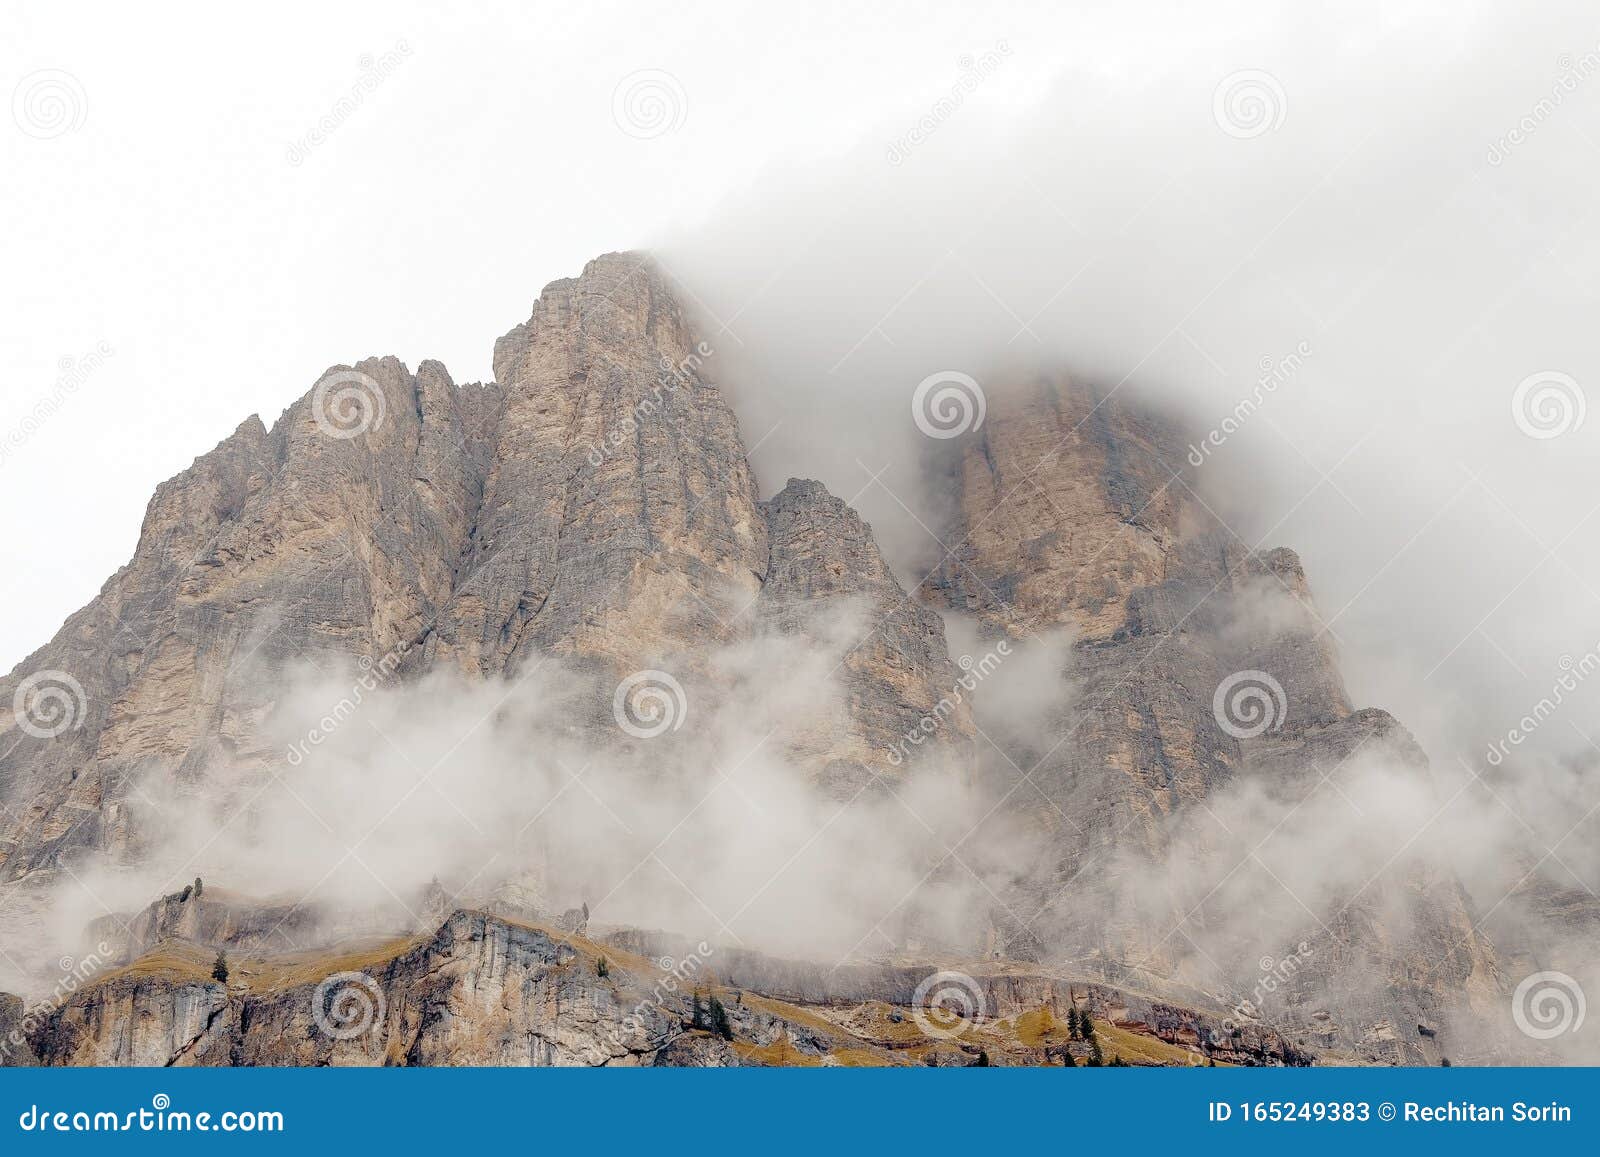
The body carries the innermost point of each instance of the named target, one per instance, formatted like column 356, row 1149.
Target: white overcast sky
column 169, row 224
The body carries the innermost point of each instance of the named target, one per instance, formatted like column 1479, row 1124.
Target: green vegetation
column 219, row 970
column 719, row 1019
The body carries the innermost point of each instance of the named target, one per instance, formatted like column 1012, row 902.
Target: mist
column 1351, row 250
column 1354, row 257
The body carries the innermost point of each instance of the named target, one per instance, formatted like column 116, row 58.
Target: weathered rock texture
column 487, row 991
column 594, row 506
column 275, row 549
column 826, row 581
column 1073, row 511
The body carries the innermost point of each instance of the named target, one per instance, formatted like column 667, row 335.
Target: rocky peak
column 619, row 519
column 827, row 580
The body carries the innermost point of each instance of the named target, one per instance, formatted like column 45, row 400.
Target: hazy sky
column 204, row 212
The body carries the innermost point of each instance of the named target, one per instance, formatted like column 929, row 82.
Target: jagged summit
column 595, row 505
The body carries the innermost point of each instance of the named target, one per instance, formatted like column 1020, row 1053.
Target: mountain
column 595, row 508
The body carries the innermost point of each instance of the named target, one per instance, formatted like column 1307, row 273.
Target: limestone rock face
column 1064, row 508
column 1200, row 666
column 620, row 517
column 595, row 507
column 1071, row 512
column 276, row 548
column 487, row 991
column 827, row 581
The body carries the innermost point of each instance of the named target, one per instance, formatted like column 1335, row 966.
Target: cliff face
column 595, row 507
column 487, row 991
column 827, row 583
column 619, row 518
column 1202, row 667
column 276, row 548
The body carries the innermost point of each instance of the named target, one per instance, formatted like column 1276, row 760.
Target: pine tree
column 719, row 1019
column 983, row 1060
column 699, row 1017
column 1072, row 1023
column 602, row 967
column 1097, row 1059
column 219, row 970
column 1085, row 1026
